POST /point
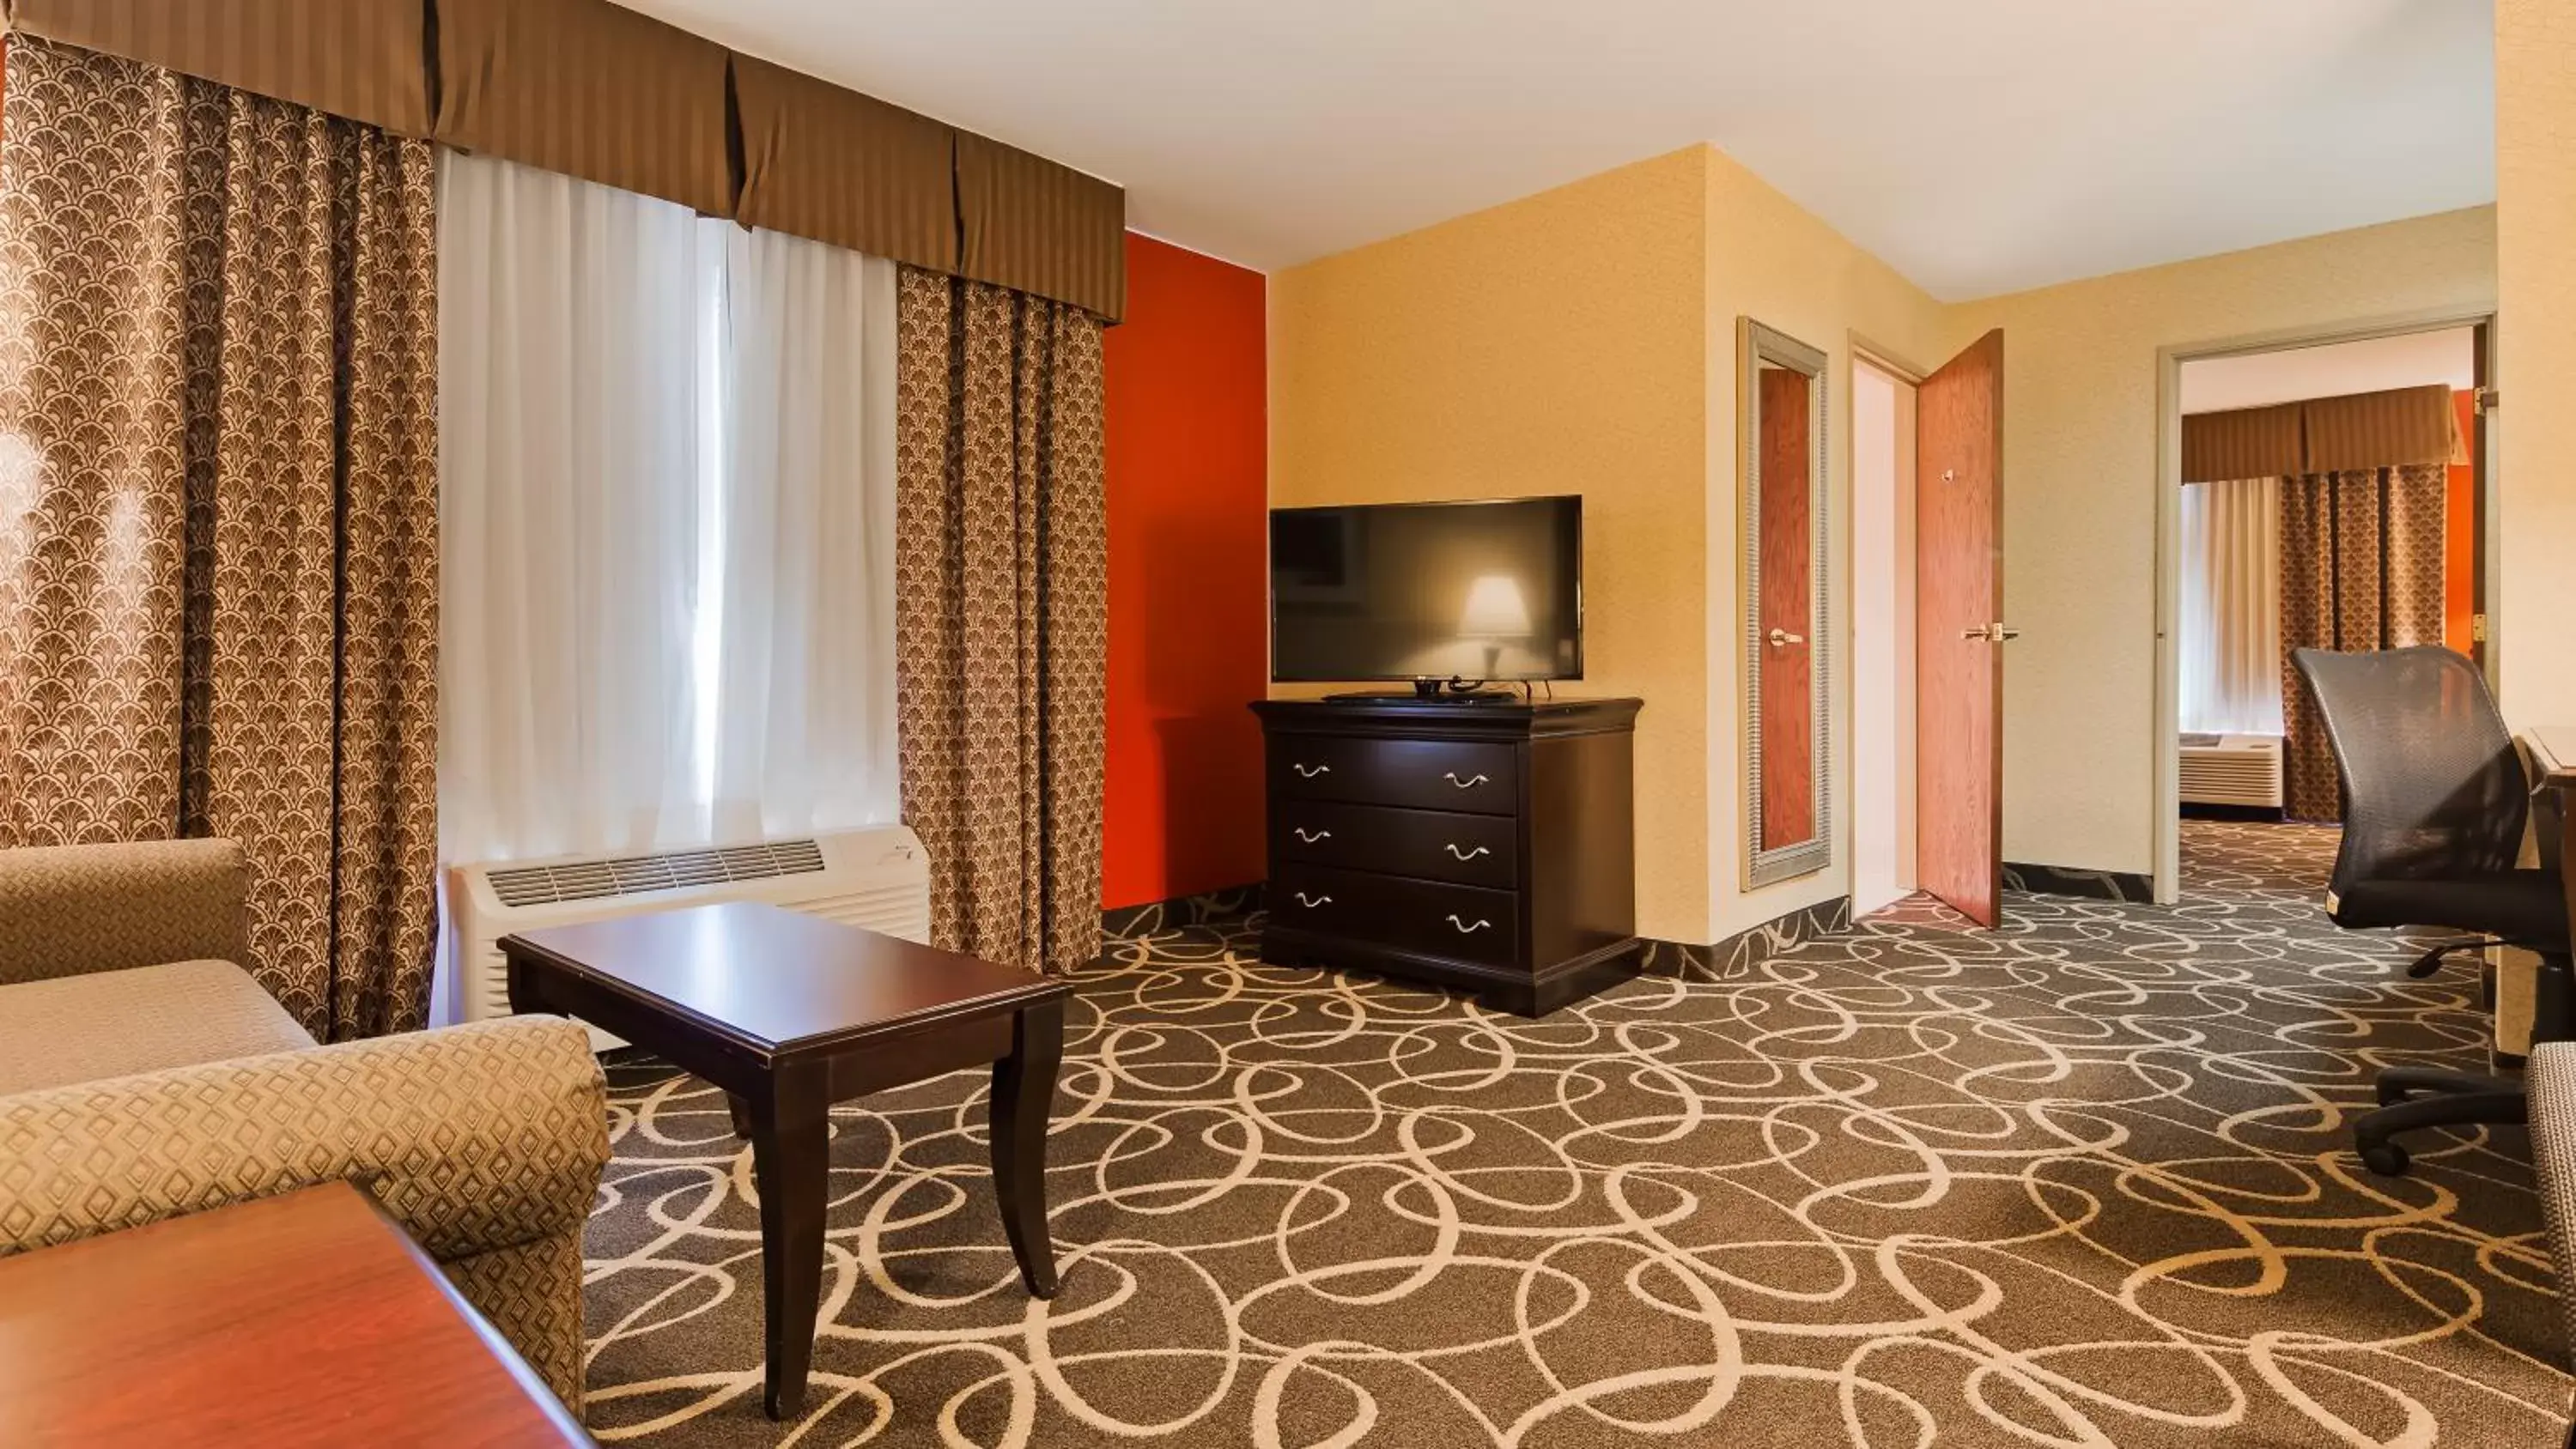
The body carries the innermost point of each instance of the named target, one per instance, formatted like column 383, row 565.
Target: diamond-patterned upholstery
column 69, row 910
column 486, row 1141
column 141, row 1019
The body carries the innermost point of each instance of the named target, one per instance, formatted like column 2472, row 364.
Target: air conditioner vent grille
column 541, row 885
column 2233, row 770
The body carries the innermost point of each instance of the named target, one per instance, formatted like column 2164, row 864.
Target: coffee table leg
column 791, row 1153
column 741, row 1109
column 1023, row 1095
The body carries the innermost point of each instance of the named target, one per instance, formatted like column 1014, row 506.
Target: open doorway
column 1883, row 627
column 1927, row 685
column 2327, row 490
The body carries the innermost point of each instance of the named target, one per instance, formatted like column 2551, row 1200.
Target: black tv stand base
column 1429, row 691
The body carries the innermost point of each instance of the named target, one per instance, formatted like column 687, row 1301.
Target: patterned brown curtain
column 218, row 493
column 1001, row 627
column 2361, row 568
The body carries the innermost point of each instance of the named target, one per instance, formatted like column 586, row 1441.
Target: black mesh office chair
column 2435, row 800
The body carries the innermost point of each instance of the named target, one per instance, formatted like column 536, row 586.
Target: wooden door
column 1958, row 611
column 1787, row 687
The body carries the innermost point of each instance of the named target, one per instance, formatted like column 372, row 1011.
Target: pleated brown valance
column 594, row 90
column 644, row 112
column 1034, row 226
column 2242, row 443
column 2398, row 428
column 840, row 167
column 364, row 59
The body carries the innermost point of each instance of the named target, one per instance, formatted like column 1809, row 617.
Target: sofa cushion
column 116, row 1023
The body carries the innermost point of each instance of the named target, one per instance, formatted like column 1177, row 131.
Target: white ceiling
column 2413, row 359
column 1978, row 146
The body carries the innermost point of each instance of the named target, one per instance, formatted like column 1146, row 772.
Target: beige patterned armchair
column 144, row 1075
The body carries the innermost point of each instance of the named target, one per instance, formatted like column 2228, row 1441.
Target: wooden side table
column 790, row 1013
column 310, row 1318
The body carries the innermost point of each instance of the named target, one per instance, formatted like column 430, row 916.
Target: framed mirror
column 1787, row 673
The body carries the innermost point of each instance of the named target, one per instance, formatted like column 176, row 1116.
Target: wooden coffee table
column 309, row 1318
column 790, row 1013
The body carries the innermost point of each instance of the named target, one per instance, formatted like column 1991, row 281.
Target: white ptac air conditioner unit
column 2232, row 770
column 878, row 878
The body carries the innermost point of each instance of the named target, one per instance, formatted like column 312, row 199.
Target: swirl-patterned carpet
column 2079, row 1182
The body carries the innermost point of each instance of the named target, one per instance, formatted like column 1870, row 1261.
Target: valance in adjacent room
column 1034, row 226
column 2401, row 428
column 835, row 166
column 588, row 89
column 2243, row 443
column 362, row 59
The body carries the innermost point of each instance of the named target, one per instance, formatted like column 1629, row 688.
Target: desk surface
column 304, row 1319
column 2553, row 749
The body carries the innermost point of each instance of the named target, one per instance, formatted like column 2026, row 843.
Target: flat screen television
column 1428, row 592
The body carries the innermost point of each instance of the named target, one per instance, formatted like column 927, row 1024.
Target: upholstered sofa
column 143, row 1075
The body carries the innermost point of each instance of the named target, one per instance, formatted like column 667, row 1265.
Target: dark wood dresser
column 1490, row 847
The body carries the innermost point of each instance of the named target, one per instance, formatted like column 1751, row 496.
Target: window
column 666, row 516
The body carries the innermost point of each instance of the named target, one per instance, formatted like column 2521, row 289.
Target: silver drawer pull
column 1452, row 778
column 1311, row 902
column 1309, row 837
column 1467, row 930
column 1308, row 772
column 1469, row 854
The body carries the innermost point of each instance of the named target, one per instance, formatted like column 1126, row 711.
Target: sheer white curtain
column 803, row 726
column 574, row 325
column 667, row 507
column 2231, row 607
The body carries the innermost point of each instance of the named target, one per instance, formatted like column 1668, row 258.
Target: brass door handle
column 1991, row 633
column 1452, row 778
column 1309, row 837
column 1782, row 638
column 1470, row 854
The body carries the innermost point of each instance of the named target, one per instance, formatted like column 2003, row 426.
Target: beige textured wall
column 1584, row 340
column 2536, row 366
column 1551, row 345
column 2080, row 421
column 1771, row 260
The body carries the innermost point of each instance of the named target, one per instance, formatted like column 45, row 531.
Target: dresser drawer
column 1480, row 779
column 1477, row 850
column 1430, row 917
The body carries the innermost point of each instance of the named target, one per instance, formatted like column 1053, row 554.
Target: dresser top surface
column 1514, row 719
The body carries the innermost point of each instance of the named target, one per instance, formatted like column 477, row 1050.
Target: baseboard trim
column 1735, row 957
column 1157, row 918
column 2237, row 814
column 2091, row 885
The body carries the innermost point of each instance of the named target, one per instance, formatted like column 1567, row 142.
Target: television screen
column 1475, row 591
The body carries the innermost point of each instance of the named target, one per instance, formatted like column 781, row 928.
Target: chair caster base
column 2385, row 1158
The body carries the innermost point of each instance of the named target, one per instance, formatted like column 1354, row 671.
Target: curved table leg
column 1023, row 1095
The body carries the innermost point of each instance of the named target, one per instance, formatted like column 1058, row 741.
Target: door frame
column 2168, row 682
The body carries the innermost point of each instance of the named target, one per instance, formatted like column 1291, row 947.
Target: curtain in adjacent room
column 1002, row 589
column 668, row 447
column 218, row 488
column 2231, row 607
column 2361, row 568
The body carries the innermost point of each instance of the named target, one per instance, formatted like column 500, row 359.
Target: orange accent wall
column 1189, row 645
column 2460, row 538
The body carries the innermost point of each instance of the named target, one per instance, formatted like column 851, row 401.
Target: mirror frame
column 1757, row 345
